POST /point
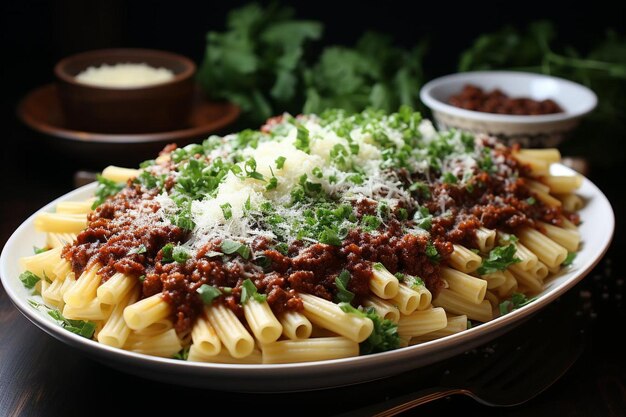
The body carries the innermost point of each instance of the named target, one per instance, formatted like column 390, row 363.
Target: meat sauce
column 474, row 98
column 116, row 229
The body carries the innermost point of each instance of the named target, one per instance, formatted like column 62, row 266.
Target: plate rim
column 275, row 371
column 42, row 126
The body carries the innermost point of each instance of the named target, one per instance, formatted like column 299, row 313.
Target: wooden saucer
column 41, row 110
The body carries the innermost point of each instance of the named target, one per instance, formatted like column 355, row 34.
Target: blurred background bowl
column 159, row 107
column 546, row 130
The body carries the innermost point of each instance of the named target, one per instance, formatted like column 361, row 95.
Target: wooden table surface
column 40, row 376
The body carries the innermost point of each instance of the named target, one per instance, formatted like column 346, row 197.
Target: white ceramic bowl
column 533, row 131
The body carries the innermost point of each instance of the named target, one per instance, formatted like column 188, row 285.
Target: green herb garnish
column 230, row 246
column 29, row 280
column 500, row 258
column 227, row 210
column 183, row 354
column 384, row 337
column 341, row 282
column 106, row 188
column 280, row 162
column 431, row 252
column 569, row 259
column 208, row 293
column 516, row 301
column 82, row 328
column 249, row 290
column 166, row 253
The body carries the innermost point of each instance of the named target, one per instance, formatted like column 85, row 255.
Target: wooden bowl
column 154, row 108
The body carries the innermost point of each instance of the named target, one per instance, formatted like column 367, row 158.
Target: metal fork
column 509, row 372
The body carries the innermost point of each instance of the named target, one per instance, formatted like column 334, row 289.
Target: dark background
column 36, row 34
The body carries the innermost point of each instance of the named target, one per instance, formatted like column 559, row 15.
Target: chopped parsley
column 431, row 252
column 517, row 300
column 37, row 250
column 183, row 354
column 302, row 138
column 82, row 328
column 280, row 162
column 500, row 258
column 341, row 282
column 569, row 259
column 423, row 219
column 230, row 247
column 106, row 188
column 249, row 290
column 449, row 178
column 29, row 280
column 208, row 293
column 384, row 337
column 227, row 210
column 166, row 253
column 180, row 254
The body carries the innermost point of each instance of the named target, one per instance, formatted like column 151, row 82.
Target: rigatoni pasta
column 316, row 238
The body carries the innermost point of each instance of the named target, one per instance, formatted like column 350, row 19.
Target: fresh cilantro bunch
column 374, row 74
column 264, row 63
column 256, row 63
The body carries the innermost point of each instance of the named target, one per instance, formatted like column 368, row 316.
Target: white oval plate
column 596, row 229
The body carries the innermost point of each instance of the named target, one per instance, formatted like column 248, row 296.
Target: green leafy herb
column 80, row 327
column 531, row 200
column 302, row 138
column 329, row 237
column 500, row 258
column 272, row 184
column 183, row 354
column 370, row 223
column 29, row 280
column 449, row 178
column 106, row 188
column 227, row 210
column 423, row 219
column 180, row 254
column 141, row 278
column 384, row 337
column 569, row 259
column 421, row 189
column 138, row 250
column 282, row 248
column 208, row 293
column 257, row 62
column 263, row 261
column 341, row 282
column 280, row 162
column 37, row 250
column 516, row 301
column 249, row 290
column 431, row 252
column 230, row 246
column 166, row 253
column 410, row 280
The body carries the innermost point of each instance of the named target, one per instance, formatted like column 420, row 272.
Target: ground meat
column 495, row 101
column 127, row 234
